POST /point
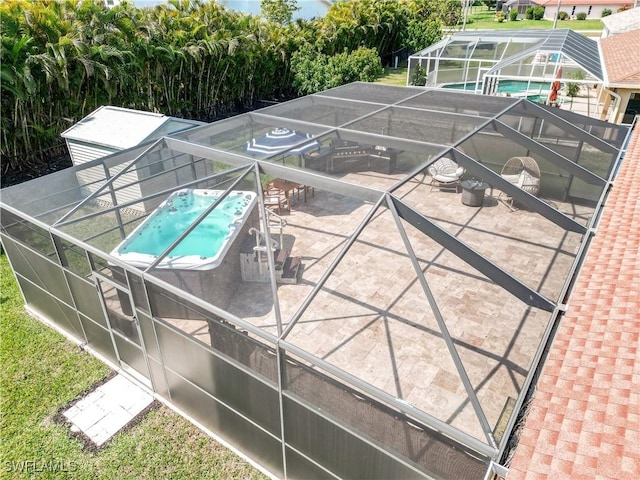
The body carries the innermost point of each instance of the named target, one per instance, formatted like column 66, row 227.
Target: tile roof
column 584, row 420
column 620, row 58
column 622, row 21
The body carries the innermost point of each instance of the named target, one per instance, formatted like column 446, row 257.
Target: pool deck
column 373, row 319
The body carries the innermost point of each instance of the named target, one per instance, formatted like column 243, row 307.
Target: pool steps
column 254, row 264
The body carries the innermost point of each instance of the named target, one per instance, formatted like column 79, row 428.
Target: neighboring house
column 593, row 8
column 520, row 5
column 621, row 22
column 621, row 76
column 108, row 130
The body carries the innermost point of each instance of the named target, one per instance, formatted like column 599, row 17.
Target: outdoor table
column 287, row 187
column 473, row 192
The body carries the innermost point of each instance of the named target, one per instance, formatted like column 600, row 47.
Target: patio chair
column 445, row 174
column 305, row 189
column 524, row 173
column 275, row 199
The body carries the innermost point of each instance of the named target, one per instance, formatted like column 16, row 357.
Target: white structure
column 514, row 63
column 110, row 129
column 593, row 8
column 621, row 22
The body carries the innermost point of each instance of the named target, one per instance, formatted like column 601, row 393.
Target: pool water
column 177, row 213
column 514, row 87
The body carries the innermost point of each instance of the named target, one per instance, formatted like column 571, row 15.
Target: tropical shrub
column 500, row 17
column 315, row 71
column 450, row 13
column 278, row 11
column 538, row 13
column 386, row 25
column 563, row 16
column 513, row 14
column 491, row 4
column 534, row 13
column 606, row 12
column 573, row 88
column 581, row 16
column 62, row 59
column 419, row 76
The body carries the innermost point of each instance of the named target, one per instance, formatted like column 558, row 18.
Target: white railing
column 261, row 247
column 276, row 224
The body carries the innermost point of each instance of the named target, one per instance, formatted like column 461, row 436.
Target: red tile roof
column 584, row 420
column 620, row 55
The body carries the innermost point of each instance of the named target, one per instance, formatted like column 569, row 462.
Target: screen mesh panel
column 386, row 427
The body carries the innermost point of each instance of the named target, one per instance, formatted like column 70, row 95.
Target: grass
column 394, row 76
column 482, row 19
column 40, row 371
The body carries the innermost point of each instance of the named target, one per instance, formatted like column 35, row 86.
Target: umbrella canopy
column 555, row 88
column 280, row 139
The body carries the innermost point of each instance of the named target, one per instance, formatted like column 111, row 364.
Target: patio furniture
column 286, row 187
column 275, row 198
column 344, row 156
column 524, row 173
column 473, row 192
column 445, row 174
column 305, row 189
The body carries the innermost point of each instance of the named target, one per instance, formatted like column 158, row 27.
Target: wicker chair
column 445, row 174
column 524, row 173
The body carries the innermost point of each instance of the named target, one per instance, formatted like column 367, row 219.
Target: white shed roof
column 116, row 127
column 623, row 21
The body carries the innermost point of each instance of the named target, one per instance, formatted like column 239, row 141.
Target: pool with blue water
column 204, row 245
column 516, row 88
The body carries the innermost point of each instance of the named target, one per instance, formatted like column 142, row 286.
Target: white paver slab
column 107, row 409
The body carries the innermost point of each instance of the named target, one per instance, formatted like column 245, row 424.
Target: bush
column 581, row 16
column 315, row 71
column 572, row 88
column 606, row 12
column 419, row 76
column 534, row 13
column 538, row 13
column 500, row 17
column 563, row 16
column 513, row 14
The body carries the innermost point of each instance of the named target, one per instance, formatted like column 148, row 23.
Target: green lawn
column 394, row 76
column 40, row 371
column 481, row 19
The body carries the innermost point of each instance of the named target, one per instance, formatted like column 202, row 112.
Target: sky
column 308, row 8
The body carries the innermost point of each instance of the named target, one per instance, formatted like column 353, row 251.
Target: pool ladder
column 286, row 266
column 261, row 246
column 276, row 222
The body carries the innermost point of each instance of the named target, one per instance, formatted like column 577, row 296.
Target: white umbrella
column 280, row 139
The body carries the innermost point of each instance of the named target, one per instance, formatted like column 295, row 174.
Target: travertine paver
column 373, row 320
column 107, row 409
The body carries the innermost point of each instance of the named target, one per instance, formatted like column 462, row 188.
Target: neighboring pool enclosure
column 533, row 64
column 384, row 324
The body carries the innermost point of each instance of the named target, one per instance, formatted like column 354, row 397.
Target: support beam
column 470, row 256
column 547, row 153
column 571, row 128
column 531, row 202
column 444, row 330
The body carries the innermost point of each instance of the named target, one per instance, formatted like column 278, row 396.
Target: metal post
column 555, row 20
